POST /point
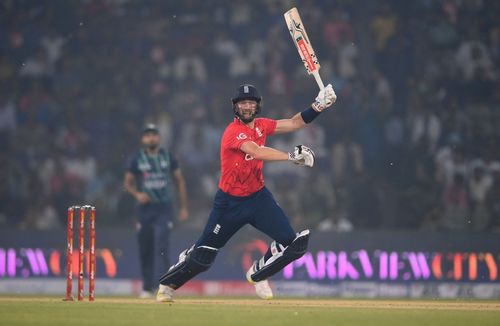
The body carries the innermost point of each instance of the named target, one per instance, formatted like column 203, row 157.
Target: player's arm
column 182, row 191
column 326, row 97
column 301, row 155
column 289, row 125
column 263, row 153
column 130, row 185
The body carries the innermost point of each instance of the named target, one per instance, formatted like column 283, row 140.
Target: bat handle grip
column 319, row 81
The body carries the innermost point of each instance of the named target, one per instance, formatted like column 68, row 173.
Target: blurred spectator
column 394, row 137
column 418, row 104
column 492, row 201
column 337, row 28
column 495, row 45
column 472, row 56
column 479, row 186
column 41, row 216
column 347, row 159
column 37, row 66
column 11, row 201
column 320, row 204
column 7, row 116
column 424, row 124
column 80, row 167
column 382, row 90
column 53, row 46
column 383, row 25
column 364, row 203
column 455, row 214
column 450, row 161
column 314, row 136
column 442, row 30
column 190, row 65
column 347, row 58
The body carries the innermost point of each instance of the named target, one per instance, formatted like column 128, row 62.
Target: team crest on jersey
column 258, row 131
column 163, row 164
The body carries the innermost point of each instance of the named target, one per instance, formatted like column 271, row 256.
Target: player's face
column 151, row 140
column 246, row 110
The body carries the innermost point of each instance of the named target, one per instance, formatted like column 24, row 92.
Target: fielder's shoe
column 165, row 294
column 262, row 288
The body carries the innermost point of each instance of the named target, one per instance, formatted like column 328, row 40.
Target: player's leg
column 287, row 245
column 278, row 256
column 199, row 257
column 223, row 222
column 145, row 237
column 192, row 262
column 162, row 248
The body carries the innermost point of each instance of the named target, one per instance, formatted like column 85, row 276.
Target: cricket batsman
column 242, row 197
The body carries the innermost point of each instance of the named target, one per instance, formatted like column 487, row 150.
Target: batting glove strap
column 294, row 158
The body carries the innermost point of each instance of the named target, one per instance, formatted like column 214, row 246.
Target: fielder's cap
column 150, row 127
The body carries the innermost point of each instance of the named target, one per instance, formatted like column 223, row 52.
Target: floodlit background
column 410, row 147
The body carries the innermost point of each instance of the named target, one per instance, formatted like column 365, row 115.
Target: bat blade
column 303, row 45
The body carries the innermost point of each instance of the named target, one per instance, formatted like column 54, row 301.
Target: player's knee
column 201, row 258
column 298, row 247
column 191, row 262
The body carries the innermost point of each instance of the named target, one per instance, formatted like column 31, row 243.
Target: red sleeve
column 269, row 125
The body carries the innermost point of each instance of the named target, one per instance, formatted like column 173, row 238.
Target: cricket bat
column 301, row 41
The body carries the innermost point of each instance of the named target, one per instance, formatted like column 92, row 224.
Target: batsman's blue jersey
column 153, row 174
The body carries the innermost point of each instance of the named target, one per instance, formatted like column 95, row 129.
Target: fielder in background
column 152, row 177
column 243, row 199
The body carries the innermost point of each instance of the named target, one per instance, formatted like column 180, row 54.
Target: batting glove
column 302, row 156
column 326, row 97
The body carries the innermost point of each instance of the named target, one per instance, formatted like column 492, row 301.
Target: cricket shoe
column 262, row 288
column 165, row 294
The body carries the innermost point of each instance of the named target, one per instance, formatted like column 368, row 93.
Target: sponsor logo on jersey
column 241, row 136
column 144, row 166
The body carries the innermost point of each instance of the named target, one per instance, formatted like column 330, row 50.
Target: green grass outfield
column 206, row 311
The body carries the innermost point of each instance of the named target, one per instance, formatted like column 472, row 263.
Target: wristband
column 309, row 114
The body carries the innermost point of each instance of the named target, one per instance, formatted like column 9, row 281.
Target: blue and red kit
column 242, row 198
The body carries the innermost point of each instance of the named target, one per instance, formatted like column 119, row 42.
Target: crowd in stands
column 412, row 142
